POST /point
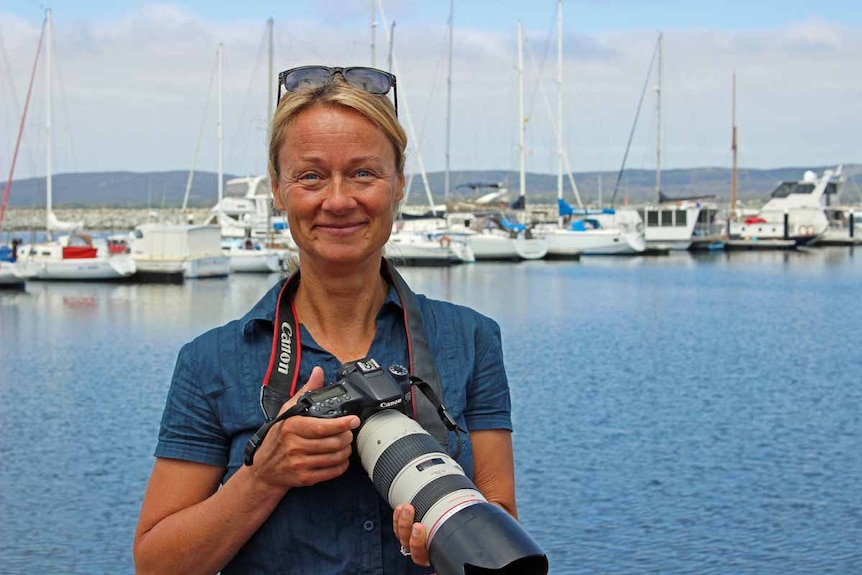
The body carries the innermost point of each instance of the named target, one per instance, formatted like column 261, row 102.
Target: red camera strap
column 280, row 381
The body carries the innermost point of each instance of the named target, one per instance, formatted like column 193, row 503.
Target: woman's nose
column 338, row 195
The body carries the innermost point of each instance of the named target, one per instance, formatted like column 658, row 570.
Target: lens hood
column 482, row 539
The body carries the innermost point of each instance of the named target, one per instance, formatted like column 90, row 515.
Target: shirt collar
column 263, row 311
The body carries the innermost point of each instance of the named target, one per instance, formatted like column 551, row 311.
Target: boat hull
column 78, row 269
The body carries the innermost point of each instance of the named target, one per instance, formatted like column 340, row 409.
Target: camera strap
column 280, row 381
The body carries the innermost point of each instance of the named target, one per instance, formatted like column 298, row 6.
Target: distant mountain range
column 166, row 189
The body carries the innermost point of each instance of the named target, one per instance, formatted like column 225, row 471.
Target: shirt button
column 368, row 525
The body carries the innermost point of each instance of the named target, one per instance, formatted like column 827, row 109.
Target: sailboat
column 76, row 256
column 423, row 239
column 243, row 212
column 575, row 232
column 171, row 253
column 672, row 223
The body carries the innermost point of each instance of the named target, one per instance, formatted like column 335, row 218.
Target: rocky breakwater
column 108, row 219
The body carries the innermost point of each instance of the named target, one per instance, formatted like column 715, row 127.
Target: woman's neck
column 339, row 310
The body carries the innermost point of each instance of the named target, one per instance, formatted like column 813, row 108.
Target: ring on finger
column 405, row 551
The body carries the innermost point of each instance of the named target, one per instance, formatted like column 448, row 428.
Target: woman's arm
column 188, row 525
column 494, row 467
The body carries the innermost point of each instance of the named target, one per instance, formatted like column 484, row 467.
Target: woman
column 336, row 163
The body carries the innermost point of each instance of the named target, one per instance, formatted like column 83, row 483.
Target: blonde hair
column 336, row 93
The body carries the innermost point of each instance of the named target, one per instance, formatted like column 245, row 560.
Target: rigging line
column 565, row 152
column 21, row 129
column 10, row 79
column 67, row 124
column 28, row 150
column 238, row 154
column 635, row 123
column 541, row 65
column 200, row 138
column 408, row 118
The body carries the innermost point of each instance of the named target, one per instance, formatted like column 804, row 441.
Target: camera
column 363, row 388
column 466, row 534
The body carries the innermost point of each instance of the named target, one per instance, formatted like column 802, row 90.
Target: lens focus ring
column 400, row 453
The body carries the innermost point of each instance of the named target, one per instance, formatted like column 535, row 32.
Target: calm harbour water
column 673, row 415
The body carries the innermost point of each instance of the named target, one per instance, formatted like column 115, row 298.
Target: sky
column 133, row 84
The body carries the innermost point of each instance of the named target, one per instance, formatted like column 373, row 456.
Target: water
column 673, row 415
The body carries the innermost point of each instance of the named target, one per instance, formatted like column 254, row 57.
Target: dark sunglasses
column 371, row 80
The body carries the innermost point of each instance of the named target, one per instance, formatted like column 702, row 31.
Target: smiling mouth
column 341, row 228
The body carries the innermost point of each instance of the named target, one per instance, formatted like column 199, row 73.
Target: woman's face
column 339, row 185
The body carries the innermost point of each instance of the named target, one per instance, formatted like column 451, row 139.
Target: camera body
column 362, row 388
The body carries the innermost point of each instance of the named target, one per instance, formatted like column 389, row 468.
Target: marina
column 683, row 357
column 694, row 412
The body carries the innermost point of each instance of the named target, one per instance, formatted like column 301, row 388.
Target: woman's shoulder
column 447, row 313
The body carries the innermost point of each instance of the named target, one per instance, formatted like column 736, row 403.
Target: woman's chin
column 344, row 254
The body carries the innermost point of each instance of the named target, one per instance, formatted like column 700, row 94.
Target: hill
column 166, row 189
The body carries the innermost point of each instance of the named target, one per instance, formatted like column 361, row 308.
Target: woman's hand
column 302, row 451
column 411, row 535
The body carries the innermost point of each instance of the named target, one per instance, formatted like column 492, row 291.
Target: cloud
column 135, row 89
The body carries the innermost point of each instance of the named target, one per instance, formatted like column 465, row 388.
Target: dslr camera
column 466, row 534
column 363, row 388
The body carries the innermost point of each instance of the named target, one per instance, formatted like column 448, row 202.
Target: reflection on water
column 673, row 414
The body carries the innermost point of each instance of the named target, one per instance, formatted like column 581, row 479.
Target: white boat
column 432, row 248
column 795, row 211
column 74, row 257
column 493, row 237
column 9, row 278
column 166, row 252
column 249, row 256
column 845, row 227
column 590, row 232
column 587, row 237
column 245, row 209
column 675, row 222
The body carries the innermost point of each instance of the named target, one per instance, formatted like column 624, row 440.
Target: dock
column 756, row 244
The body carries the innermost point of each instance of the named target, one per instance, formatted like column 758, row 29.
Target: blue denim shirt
column 342, row 525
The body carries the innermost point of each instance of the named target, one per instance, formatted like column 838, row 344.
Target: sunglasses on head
column 371, row 80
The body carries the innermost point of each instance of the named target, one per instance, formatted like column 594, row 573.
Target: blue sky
column 588, row 15
column 132, row 79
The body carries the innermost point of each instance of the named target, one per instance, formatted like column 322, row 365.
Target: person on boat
column 336, row 163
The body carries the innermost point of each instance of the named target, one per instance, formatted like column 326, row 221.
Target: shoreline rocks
column 109, row 219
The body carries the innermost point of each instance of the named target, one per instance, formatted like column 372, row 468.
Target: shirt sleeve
column 488, row 402
column 190, row 429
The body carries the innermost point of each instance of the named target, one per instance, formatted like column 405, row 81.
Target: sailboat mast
column 522, row 156
column 270, row 86
column 449, row 101
column 269, row 113
column 373, row 34
column 560, row 102
column 48, row 136
column 658, row 122
column 733, row 147
column 220, row 125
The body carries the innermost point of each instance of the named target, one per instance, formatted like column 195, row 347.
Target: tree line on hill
column 166, row 189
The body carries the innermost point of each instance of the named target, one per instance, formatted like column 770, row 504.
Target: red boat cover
column 78, row 252
column 754, row 220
